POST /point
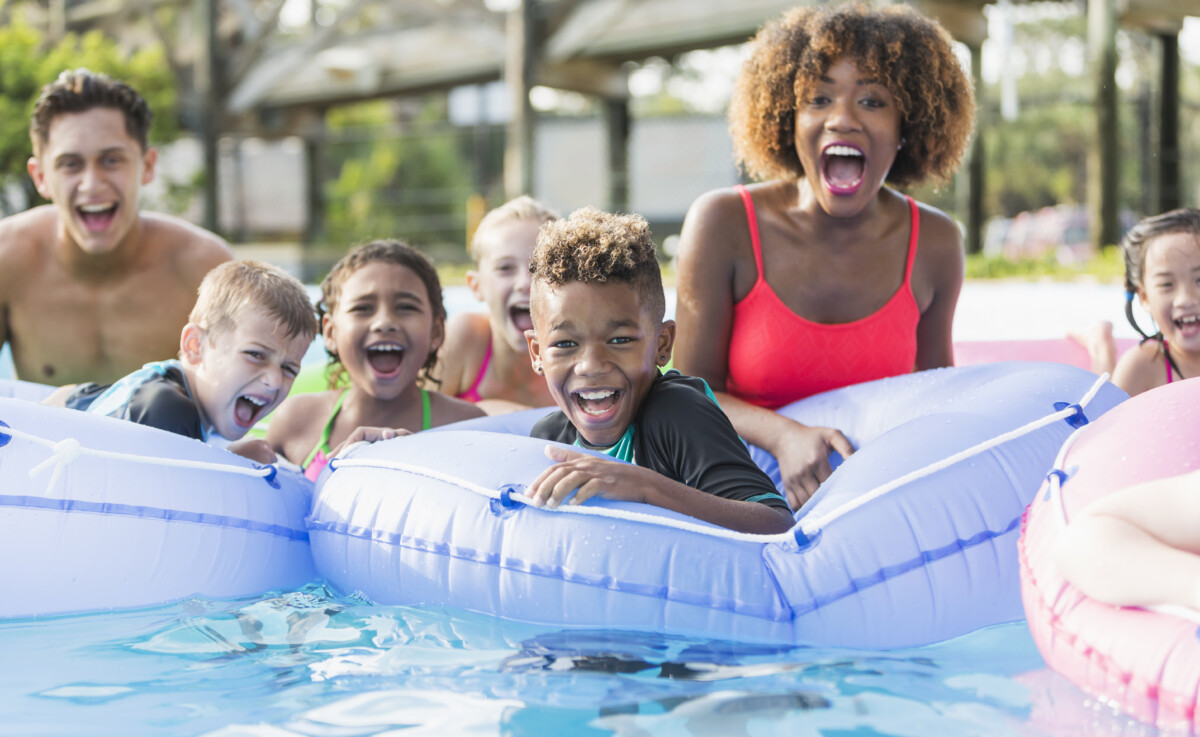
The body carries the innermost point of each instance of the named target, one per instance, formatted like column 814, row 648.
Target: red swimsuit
column 777, row 357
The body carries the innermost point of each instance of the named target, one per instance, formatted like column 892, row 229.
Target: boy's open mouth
column 385, row 358
column 247, row 409
column 97, row 217
column 597, row 403
column 521, row 319
column 843, row 168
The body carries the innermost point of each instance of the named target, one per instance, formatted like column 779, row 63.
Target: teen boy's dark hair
column 80, row 90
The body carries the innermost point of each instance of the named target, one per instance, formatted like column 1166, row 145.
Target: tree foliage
column 398, row 175
column 27, row 62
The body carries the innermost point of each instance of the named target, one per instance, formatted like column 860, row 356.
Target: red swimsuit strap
column 756, row 242
column 752, row 219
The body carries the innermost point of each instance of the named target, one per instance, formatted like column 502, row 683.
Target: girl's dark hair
column 1133, row 248
column 385, row 251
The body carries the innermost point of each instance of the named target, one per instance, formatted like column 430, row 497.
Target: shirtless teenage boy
column 91, row 288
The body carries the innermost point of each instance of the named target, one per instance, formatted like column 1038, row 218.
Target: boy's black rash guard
column 162, row 402
column 685, row 436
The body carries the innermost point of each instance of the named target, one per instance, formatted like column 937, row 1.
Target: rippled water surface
column 309, row 662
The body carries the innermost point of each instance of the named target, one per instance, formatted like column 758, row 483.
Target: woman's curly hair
column 909, row 54
column 596, row 247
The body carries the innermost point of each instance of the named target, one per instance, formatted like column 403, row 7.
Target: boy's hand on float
column 586, row 476
column 256, row 449
column 804, row 460
column 367, row 434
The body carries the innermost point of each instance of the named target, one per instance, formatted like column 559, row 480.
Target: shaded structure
column 249, row 77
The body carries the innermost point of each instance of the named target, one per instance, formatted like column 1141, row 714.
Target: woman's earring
column 538, row 368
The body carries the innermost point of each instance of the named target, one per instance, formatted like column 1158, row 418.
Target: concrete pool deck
column 1000, row 309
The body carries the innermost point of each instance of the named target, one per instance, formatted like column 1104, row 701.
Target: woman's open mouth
column 843, row 168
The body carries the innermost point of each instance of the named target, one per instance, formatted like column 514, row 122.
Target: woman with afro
column 822, row 275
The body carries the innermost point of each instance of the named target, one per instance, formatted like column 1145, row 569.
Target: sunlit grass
column 1108, row 266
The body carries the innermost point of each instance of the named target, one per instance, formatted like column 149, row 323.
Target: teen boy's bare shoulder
column 190, row 250
column 26, row 262
column 25, row 238
column 71, row 317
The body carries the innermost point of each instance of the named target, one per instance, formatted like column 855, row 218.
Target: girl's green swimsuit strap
column 319, row 457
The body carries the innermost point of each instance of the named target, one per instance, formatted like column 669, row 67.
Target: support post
column 976, row 172
column 1169, row 195
column 208, row 80
column 616, row 119
column 314, row 138
column 519, row 67
column 1103, row 156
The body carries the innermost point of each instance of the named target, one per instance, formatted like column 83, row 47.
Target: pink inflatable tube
column 1145, row 663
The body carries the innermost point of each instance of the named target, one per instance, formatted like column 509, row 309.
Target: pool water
column 315, row 662
column 310, row 662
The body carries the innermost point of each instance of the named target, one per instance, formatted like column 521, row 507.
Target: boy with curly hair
column 599, row 338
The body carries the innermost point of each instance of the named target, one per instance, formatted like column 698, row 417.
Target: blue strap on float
column 803, row 539
column 506, row 493
column 1056, row 473
column 272, row 472
column 5, row 437
column 1079, row 419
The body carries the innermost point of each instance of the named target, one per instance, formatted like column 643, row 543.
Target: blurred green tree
column 401, row 173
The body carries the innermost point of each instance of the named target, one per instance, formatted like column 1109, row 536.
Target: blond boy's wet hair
column 234, row 287
column 518, row 208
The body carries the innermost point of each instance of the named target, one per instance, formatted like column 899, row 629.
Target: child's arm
column 1139, row 546
column 58, row 397
column 586, row 476
column 801, row 451
column 1097, row 339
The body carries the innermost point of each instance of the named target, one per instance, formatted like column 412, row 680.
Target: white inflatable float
column 911, row 540
column 98, row 513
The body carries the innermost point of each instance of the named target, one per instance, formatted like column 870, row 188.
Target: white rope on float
column 68, row 450
column 811, row 527
column 807, row 526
